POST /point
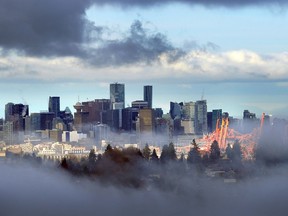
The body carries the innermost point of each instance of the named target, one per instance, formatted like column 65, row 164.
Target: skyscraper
column 216, row 114
column 117, row 95
column 8, row 111
column 201, row 117
column 148, row 95
column 54, row 105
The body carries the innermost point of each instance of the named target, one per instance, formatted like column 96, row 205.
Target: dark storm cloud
column 222, row 3
column 42, row 27
column 45, row 28
column 60, row 28
column 138, row 46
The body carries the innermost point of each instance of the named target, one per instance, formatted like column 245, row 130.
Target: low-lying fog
column 30, row 190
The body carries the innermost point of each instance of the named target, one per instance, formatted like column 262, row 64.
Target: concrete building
column 55, row 135
column 188, row 126
column 8, row 133
column 140, row 104
column 189, row 110
column 147, row 120
column 96, row 110
column 72, row 136
column 81, row 119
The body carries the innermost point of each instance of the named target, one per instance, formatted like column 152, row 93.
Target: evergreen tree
column 146, row 152
column 236, row 152
column 108, row 148
column 172, row 152
column 181, row 159
column 229, row 151
column 64, row 164
column 214, row 151
column 92, row 157
column 154, row 156
column 194, row 156
column 205, row 159
column 164, row 157
column 168, row 153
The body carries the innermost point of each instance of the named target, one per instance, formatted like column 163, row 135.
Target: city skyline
column 232, row 53
column 34, row 108
column 42, row 106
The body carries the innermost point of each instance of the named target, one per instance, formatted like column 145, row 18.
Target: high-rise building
column 8, row 111
column 117, row 95
column 249, row 122
column 216, row 114
column 147, row 120
column 129, row 118
column 201, row 117
column 209, row 122
column 80, row 118
column 16, row 114
column 189, row 111
column 148, row 95
column 140, row 104
column 8, row 133
column 54, row 105
column 46, row 120
column 176, row 110
column 96, row 110
column 35, row 121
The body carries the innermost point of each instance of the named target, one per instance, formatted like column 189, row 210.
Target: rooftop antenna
column 202, row 95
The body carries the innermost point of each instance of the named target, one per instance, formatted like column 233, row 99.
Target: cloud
column 193, row 67
column 138, row 46
column 61, row 28
column 208, row 3
column 44, row 27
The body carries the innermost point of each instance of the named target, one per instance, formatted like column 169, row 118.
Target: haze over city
column 233, row 52
column 143, row 107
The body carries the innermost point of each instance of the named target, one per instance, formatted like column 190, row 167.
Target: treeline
column 133, row 167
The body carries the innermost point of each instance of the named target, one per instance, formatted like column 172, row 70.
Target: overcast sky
column 232, row 53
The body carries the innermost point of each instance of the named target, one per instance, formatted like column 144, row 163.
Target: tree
column 64, row 164
column 214, row 151
column 236, row 152
column 194, row 156
column 154, row 156
column 146, row 152
column 92, row 157
column 229, row 151
column 168, row 153
column 181, row 159
column 108, row 148
column 172, row 151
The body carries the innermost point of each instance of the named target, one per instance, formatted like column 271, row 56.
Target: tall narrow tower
column 117, row 95
column 54, row 105
column 148, row 95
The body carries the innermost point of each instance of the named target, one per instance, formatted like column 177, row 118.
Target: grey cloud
column 41, row 27
column 60, row 28
column 208, row 3
column 138, row 46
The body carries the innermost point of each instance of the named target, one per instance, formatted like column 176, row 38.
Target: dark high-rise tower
column 54, row 105
column 148, row 95
column 117, row 95
column 8, row 111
